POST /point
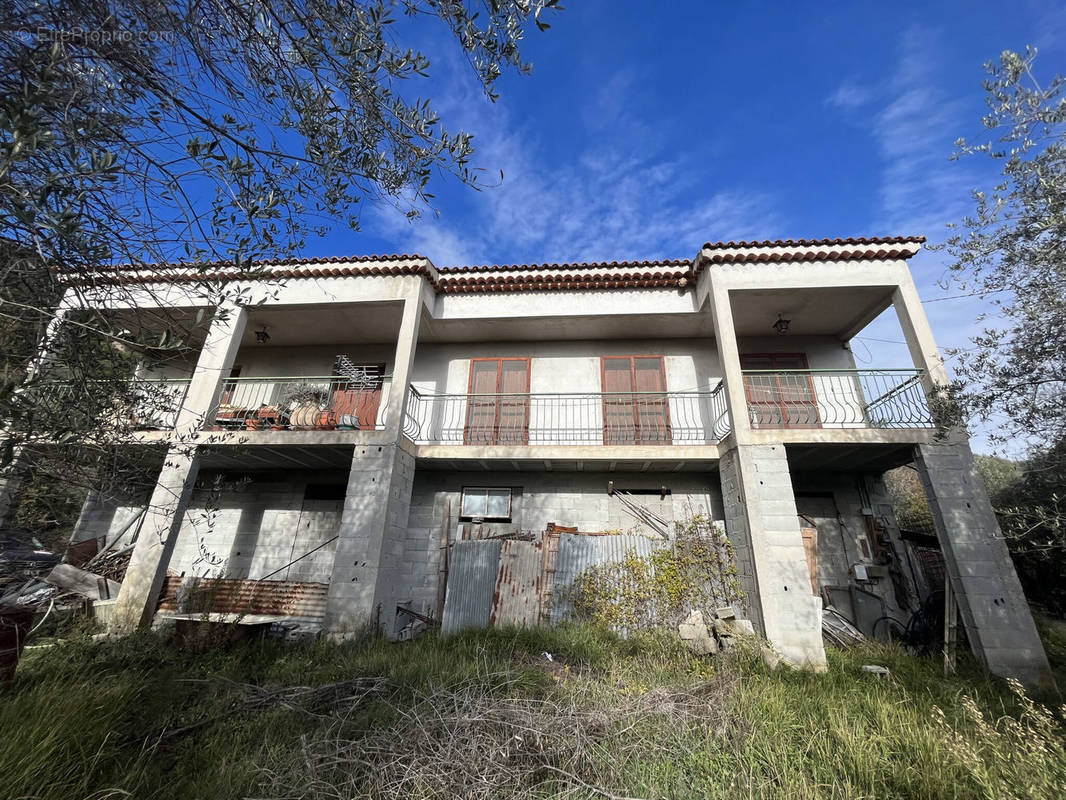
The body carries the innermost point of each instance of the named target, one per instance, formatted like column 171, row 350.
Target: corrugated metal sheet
column 578, row 553
column 517, row 597
column 472, row 573
column 234, row 596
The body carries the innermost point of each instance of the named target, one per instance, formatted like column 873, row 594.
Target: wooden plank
column 810, row 549
column 87, row 584
column 442, row 568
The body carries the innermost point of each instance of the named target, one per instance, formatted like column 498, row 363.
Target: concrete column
column 363, row 589
column 139, row 596
column 212, row 369
column 403, row 363
column 729, row 356
column 143, row 582
column 365, row 582
column 762, row 524
column 991, row 602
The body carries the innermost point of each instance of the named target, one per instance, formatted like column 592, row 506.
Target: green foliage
column 697, row 570
column 138, row 132
column 1011, row 250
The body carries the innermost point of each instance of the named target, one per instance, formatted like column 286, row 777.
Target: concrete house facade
column 345, row 422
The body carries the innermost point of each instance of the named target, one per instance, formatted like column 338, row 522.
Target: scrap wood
column 644, row 514
column 86, row 584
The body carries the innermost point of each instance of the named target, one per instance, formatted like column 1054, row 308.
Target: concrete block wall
column 990, row 597
column 566, row 498
column 761, row 509
column 834, row 502
column 371, row 544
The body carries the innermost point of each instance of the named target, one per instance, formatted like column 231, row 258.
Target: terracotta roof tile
column 675, row 262
column 817, row 242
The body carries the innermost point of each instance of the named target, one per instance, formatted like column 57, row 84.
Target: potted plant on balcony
column 308, row 407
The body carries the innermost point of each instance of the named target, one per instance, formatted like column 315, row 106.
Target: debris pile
column 717, row 637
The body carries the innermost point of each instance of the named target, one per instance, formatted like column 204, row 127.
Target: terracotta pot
column 326, row 421
column 305, row 417
column 253, row 424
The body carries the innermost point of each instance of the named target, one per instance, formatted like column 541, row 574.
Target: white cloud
column 849, row 96
column 627, row 195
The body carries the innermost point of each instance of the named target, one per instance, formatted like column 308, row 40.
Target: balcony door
column 356, row 392
column 635, row 406
column 497, row 408
column 780, row 398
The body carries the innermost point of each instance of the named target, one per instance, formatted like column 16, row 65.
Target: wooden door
column 635, row 406
column 497, row 408
column 780, row 399
column 356, row 393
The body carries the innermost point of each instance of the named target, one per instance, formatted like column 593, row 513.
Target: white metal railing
column 316, row 402
column 837, row 398
column 571, row 418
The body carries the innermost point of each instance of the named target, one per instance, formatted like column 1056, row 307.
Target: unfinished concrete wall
column 573, row 499
column 990, row 597
column 369, row 556
column 852, row 513
column 761, row 521
column 254, row 528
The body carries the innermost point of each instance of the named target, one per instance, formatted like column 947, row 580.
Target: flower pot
column 305, row 416
column 253, row 424
column 325, row 421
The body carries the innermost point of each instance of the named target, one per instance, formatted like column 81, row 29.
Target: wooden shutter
column 492, row 416
column 778, row 400
column 635, row 407
column 653, row 415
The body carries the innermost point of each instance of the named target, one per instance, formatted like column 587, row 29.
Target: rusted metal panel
column 472, row 577
column 235, row 596
column 517, row 596
column 577, row 553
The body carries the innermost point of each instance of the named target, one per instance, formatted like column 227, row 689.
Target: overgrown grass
column 485, row 714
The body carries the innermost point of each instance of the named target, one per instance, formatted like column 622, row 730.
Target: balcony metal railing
column 572, row 418
column 315, row 402
column 120, row 405
column 837, row 398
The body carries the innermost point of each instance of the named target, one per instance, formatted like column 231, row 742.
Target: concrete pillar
column 372, row 534
column 729, row 357
column 363, row 585
column 139, row 596
column 404, row 360
column 212, row 369
column 143, row 582
column 762, row 524
column 991, row 602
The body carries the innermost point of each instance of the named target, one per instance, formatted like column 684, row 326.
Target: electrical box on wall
column 859, row 571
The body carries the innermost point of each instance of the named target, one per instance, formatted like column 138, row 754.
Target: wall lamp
column 262, row 337
column 781, row 326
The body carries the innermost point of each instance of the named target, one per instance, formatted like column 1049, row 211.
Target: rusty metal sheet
column 298, row 599
column 517, row 596
column 472, row 573
column 577, row 553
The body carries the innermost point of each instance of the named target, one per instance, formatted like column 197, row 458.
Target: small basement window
column 486, row 503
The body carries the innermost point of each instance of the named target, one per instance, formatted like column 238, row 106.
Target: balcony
column 356, row 402
column 115, row 406
column 578, row 418
column 842, row 399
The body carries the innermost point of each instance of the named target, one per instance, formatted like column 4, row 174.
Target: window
column 635, row 405
column 780, row 397
column 486, row 503
column 497, row 410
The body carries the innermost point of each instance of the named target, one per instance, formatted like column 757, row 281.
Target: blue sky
column 647, row 129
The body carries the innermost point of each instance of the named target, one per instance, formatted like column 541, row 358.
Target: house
column 334, row 433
